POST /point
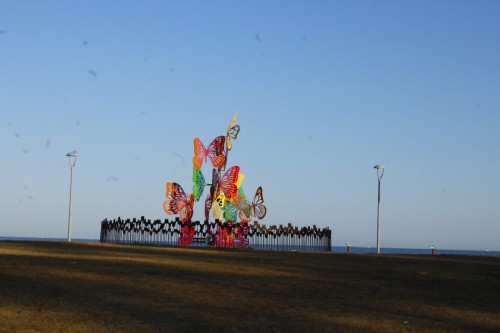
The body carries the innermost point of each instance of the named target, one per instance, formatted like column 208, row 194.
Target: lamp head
column 72, row 153
column 379, row 166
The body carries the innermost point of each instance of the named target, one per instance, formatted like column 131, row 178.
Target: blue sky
column 325, row 90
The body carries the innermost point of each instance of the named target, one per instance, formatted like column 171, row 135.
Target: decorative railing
column 219, row 234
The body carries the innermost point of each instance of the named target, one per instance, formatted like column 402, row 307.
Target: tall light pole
column 72, row 154
column 380, row 172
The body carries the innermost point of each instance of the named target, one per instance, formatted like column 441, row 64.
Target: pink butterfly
column 226, row 183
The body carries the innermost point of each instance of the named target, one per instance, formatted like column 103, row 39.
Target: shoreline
column 335, row 249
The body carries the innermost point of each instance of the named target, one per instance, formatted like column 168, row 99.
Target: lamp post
column 72, row 154
column 380, row 172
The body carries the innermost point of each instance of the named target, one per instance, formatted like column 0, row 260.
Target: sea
column 337, row 249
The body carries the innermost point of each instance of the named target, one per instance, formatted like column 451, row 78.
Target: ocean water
column 415, row 251
column 336, row 249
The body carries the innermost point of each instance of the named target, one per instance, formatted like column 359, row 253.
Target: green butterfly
column 198, row 183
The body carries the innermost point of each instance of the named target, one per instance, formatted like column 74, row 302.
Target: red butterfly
column 187, row 235
column 256, row 208
column 215, row 152
column 240, row 235
column 178, row 202
column 226, row 183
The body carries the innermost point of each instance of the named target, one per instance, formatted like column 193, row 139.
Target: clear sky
column 325, row 90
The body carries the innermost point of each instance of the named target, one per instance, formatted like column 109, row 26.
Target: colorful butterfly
column 216, row 211
column 221, row 200
column 226, row 183
column 240, row 235
column 224, row 235
column 215, row 152
column 198, row 183
column 230, row 212
column 241, row 202
column 187, row 235
column 178, row 202
column 232, row 132
column 221, row 207
column 256, row 208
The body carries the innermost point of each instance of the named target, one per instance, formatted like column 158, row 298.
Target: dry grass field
column 86, row 287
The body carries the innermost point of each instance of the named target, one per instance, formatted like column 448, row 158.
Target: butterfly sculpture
column 178, row 202
column 222, row 207
column 187, row 234
column 215, row 152
column 198, row 183
column 232, row 132
column 256, row 208
column 224, row 235
column 230, row 212
column 226, row 199
column 225, row 183
column 239, row 235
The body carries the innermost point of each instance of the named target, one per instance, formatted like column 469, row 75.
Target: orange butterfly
column 215, row 152
column 178, row 202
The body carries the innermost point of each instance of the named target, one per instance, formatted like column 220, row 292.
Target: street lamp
column 380, row 172
column 72, row 154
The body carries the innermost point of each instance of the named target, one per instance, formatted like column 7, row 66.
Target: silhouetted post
column 379, row 177
column 71, row 154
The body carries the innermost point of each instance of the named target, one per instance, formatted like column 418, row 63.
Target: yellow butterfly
column 232, row 132
column 240, row 179
column 216, row 211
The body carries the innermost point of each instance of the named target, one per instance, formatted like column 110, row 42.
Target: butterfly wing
column 241, row 176
column 258, row 208
column 232, row 122
column 216, row 211
column 178, row 202
column 230, row 212
column 208, row 206
column 169, row 206
column 214, row 187
column 198, row 183
column 232, row 132
column 242, row 204
column 227, row 183
column 187, row 210
column 221, row 200
column 240, row 235
column 187, row 235
column 200, row 153
column 245, row 213
column 215, row 151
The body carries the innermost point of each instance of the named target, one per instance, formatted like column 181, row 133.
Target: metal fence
column 222, row 234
